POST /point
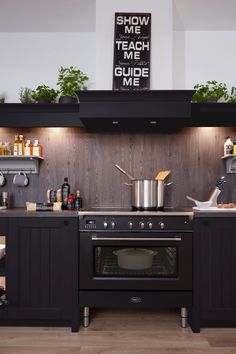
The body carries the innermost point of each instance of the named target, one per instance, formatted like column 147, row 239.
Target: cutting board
column 220, row 210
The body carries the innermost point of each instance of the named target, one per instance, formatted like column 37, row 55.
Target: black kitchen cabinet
column 214, row 272
column 42, row 271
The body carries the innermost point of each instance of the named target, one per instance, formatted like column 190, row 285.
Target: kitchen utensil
column 200, row 205
column 125, row 173
column 2, row 251
column 134, row 258
column 21, row 180
column 216, row 191
column 2, row 179
column 162, row 175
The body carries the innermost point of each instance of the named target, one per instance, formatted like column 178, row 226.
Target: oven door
column 169, row 266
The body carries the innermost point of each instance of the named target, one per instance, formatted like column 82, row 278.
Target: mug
column 2, row 180
column 21, row 180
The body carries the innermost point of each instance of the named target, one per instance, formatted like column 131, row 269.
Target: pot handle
column 128, row 184
column 168, row 184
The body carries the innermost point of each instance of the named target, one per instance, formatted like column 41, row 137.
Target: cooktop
column 130, row 211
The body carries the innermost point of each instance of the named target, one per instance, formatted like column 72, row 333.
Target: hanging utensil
column 125, row 173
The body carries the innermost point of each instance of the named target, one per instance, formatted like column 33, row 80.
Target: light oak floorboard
column 119, row 332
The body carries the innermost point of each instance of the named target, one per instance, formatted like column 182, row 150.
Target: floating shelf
column 14, row 164
column 39, row 115
column 230, row 163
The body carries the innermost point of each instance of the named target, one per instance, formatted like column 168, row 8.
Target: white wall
column 29, row 59
column 210, row 55
column 161, row 39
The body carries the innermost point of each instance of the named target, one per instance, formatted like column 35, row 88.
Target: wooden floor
column 119, row 332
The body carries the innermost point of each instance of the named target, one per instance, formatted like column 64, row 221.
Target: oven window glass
column 156, row 262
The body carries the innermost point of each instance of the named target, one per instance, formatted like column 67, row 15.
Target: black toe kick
column 136, row 299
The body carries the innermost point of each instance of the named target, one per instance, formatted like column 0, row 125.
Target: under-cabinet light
column 115, row 122
column 153, row 122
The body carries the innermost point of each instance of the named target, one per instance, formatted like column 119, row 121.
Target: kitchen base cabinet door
column 42, row 269
column 214, row 271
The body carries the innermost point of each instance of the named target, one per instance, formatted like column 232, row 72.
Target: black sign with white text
column 131, row 70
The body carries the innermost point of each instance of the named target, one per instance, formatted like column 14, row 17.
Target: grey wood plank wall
column 192, row 154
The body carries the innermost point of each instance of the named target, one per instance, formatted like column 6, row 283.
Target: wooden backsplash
column 192, row 154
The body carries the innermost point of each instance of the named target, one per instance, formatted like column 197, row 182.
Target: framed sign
column 132, row 39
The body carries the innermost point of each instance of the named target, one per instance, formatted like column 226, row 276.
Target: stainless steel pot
column 147, row 194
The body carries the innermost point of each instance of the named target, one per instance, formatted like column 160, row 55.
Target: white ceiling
column 47, row 15
column 204, row 15
column 80, row 15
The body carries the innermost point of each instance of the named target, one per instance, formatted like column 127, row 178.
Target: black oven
column 162, row 279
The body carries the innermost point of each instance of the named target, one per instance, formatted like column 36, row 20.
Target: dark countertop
column 226, row 213
column 22, row 212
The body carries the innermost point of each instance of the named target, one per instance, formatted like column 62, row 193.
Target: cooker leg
column 184, row 317
column 86, row 317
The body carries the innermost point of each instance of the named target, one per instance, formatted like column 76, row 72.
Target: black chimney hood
column 125, row 110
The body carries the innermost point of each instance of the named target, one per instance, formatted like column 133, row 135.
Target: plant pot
column 68, row 99
column 43, row 101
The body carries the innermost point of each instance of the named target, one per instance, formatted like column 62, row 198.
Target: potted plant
column 211, row 91
column 70, row 81
column 2, row 99
column 232, row 97
column 26, row 95
column 44, row 94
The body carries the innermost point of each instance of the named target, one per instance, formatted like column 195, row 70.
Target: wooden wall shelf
column 15, row 164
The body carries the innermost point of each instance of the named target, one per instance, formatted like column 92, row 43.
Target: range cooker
column 166, row 282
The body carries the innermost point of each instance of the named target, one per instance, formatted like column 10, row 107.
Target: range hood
column 125, row 110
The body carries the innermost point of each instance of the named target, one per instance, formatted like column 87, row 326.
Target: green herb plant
column 211, row 91
column 2, row 99
column 26, row 95
column 232, row 97
column 45, row 93
column 71, row 80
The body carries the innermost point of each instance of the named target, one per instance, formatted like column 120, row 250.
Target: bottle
column 78, row 201
column 1, row 148
column 228, row 146
column 70, row 202
column 8, row 148
column 5, row 199
column 234, row 148
column 15, row 146
column 28, row 148
column 21, row 146
column 59, row 195
column 65, row 191
column 37, row 149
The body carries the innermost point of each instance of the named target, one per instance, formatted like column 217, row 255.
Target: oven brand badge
column 135, row 300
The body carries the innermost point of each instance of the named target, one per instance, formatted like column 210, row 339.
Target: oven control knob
column 113, row 225
column 105, row 224
column 142, row 225
column 150, row 225
column 162, row 225
column 130, row 224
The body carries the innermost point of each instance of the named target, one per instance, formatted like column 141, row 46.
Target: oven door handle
column 177, row 238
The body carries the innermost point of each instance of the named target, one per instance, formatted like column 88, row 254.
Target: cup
column 2, row 180
column 21, row 180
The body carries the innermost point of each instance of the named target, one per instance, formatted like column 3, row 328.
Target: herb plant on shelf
column 70, row 81
column 211, row 91
column 26, row 95
column 2, row 99
column 232, row 97
column 45, row 94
